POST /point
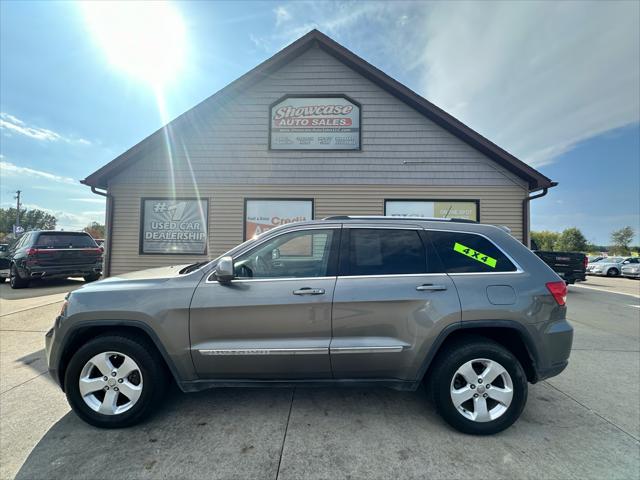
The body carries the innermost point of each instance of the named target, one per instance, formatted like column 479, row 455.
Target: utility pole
column 17, row 197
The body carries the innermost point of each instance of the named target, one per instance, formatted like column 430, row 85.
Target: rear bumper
column 38, row 271
column 631, row 274
column 555, row 341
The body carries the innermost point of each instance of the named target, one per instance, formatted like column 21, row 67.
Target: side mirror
column 224, row 270
column 275, row 254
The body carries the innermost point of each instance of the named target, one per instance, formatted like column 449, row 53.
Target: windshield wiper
column 192, row 267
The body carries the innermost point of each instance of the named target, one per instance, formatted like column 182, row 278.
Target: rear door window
column 64, row 240
column 469, row 253
column 384, row 252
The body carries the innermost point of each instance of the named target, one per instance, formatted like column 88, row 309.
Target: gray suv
column 463, row 307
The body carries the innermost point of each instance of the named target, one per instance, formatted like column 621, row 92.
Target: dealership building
column 312, row 132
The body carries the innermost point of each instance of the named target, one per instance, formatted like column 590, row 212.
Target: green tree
column 95, row 229
column 545, row 240
column 33, row 219
column 621, row 240
column 571, row 240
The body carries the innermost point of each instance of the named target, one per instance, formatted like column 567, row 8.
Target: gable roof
column 315, row 38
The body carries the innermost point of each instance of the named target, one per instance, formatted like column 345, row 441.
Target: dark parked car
column 51, row 254
column 464, row 307
column 571, row 266
column 4, row 262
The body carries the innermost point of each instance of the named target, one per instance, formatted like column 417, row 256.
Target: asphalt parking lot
column 583, row 424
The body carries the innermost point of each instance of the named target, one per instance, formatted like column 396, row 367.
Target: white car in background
column 632, row 269
column 611, row 266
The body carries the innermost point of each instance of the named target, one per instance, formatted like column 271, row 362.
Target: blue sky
column 555, row 83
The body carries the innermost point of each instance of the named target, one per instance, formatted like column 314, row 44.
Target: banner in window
column 264, row 214
column 174, row 226
column 315, row 123
column 467, row 210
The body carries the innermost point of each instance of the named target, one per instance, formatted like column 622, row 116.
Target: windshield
column 64, row 240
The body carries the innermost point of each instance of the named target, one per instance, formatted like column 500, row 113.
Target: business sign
column 174, row 226
column 263, row 215
column 315, row 123
column 434, row 209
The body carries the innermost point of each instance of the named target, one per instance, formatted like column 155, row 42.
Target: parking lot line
column 607, row 291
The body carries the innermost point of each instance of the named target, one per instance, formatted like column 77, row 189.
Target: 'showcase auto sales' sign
column 174, row 226
column 315, row 123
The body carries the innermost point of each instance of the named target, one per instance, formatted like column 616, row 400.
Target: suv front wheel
column 115, row 381
column 478, row 386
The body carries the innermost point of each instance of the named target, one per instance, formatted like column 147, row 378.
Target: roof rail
column 382, row 217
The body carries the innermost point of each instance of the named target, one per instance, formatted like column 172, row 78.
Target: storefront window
column 261, row 215
column 465, row 209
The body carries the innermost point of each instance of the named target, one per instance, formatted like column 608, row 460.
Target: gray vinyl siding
column 498, row 205
column 224, row 152
column 229, row 144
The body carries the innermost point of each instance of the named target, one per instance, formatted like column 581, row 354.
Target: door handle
column 309, row 291
column 428, row 287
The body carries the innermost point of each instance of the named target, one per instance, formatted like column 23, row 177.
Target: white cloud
column 534, row 77
column 9, row 169
column 71, row 220
column 99, row 200
column 15, row 125
column 282, row 15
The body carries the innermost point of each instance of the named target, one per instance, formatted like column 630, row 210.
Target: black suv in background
column 51, row 254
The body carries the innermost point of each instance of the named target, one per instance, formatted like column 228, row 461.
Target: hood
column 148, row 274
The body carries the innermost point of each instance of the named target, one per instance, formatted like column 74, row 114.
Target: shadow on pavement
column 215, row 434
column 38, row 362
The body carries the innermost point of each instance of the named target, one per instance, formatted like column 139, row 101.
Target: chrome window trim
column 518, row 269
column 265, row 351
column 391, row 275
column 275, row 279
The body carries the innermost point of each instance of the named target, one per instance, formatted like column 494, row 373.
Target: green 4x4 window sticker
column 471, row 253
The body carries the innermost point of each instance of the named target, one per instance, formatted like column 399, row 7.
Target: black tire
column 15, row 280
column 442, row 375
column 613, row 272
column 151, row 365
column 91, row 278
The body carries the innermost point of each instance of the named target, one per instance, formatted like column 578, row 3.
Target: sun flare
column 144, row 39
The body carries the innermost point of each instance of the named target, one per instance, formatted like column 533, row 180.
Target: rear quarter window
column 64, row 240
column 469, row 253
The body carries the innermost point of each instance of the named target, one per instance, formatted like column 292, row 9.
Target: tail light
column 559, row 291
column 585, row 261
column 96, row 250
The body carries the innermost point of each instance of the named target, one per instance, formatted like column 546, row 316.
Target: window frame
column 344, row 260
column 438, row 260
column 332, row 264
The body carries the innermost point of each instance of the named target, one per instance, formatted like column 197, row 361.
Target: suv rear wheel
column 478, row 386
column 15, row 280
column 115, row 381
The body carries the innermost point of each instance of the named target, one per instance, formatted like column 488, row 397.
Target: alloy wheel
column 481, row 390
column 110, row 383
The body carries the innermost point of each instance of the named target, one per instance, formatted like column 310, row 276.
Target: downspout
column 525, row 213
column 107, row 256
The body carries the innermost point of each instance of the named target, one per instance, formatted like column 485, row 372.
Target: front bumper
column 50, row 354
column 631, row 274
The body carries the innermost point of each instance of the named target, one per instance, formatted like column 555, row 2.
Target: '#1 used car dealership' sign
column 315, row 123
column 174, row 226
